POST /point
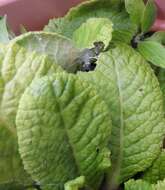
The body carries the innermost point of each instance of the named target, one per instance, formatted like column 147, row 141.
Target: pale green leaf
column 69, row 131
column 10, row 163
column 153, row 52
column 93, row 30
column 124, row 30
column 135, row 8
column 59, row 48
column 4, row 36
column 149, row 16
column 130, row 89
column 18, row 68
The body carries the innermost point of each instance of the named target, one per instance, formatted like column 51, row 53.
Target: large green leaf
column 63, row 129
column 157, row 170
column 149, row 16
column 135, row 8
column 93, row 30
column 124, row 30
column 59, row 48
column 12, row 172
column 17, row 69
column 153, row 52
column 129, row 87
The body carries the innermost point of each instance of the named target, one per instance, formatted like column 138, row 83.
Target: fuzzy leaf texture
column 10, row 163
column 124, row 30
column 18, row 68
column 63, row 129
column 133, row 95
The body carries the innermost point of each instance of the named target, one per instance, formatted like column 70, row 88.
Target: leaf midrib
column 66, row 132
column 120, row 155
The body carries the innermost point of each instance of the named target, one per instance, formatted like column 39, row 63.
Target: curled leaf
column 57, row 47
column 93, row 30
column 124, row 30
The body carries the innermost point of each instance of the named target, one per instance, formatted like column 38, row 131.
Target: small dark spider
column 88, row 57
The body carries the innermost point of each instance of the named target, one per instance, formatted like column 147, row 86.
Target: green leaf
column 69, row 132
column 138, row 185
column 59, row 48
column 135, row 8
column 149, row 16
column 124, row 30
column 130, row 89
column 157, row 171
column 18, row 68
column 75, row 184
column 4, row 36
column 158, row 37
column 10, row 163
column 93, row 30
column 153, row 52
